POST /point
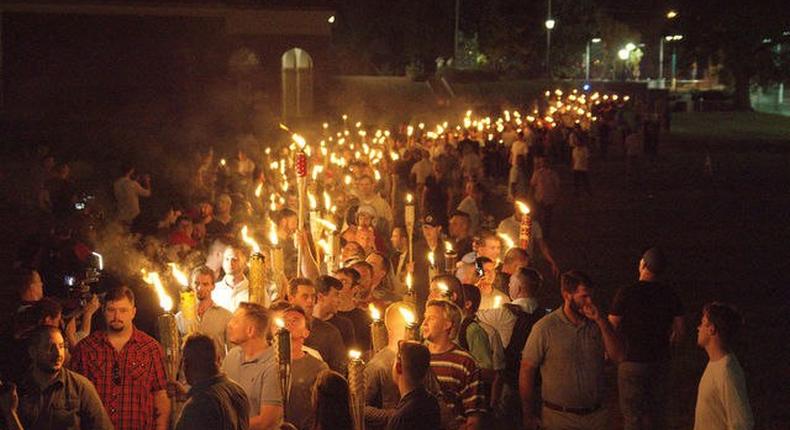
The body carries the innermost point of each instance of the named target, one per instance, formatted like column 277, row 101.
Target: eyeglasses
column 116, row 373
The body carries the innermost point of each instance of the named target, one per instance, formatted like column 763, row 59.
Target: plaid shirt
column 126, row 380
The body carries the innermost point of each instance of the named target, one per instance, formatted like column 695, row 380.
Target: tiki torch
column 408, row 218
column 432, row 269
column 282, row 345
column 526, row 224
column 450, row 258
column 412, row 329
column 187, row 299
column 411, row 295
column 356, row 384
column 300, row 164
column 378, row 331
column 257, row 278
column 276, row 259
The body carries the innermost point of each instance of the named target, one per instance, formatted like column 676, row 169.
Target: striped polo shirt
column 460, row 381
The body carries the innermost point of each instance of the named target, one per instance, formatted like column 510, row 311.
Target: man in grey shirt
column 569, row 346
column 252, row 364
column 209, row 318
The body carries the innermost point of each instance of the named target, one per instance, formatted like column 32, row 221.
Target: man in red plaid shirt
column 126, row 366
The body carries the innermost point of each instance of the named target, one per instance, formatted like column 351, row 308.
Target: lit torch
column 378, row 331
column 356, row 385
column 526, row 224
column 431, row 265
column 257, row 279
column 188, row 301
column 411, row 295
column 282, row 341
column 166, row 324
column 408, row 218
column 412, row 329
column 450, row 257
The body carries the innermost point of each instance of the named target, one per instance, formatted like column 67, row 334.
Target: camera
column 81, row 288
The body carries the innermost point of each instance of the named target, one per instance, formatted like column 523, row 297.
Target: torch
column 356, row 384
column 331, row 250
column 300, row 164
column 431, row 265
column 282, row 345
column 411, row 295
column 167, row 328
column 378, row 331
column 257, row 279
column 450, row 257
column 412, row 329
column 408, row 218
column 188, row 301
column 315, row 227
column 526, row 224
column 276, row 255
column 444, row 291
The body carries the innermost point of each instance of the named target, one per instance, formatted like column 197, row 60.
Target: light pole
column 549, row 26
column 455, row 32
column 587, row 58
column 624, row 54
column 672, row 38
column 670, row 15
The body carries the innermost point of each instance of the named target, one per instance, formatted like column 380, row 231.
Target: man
column 366, row 192
column 287, row 225
column 215, row 402
column 459, row 231
column 49, row 395
column 722, row 398
column 323, row 336
column 214, row 256
column 304, row 369
column 573, row 340
column 510, row 226
column 490, row 296
column 180, row 239
column 417, row 409
column 127, row 367
column 127, row 193
column 221, row 224
column 545, row 184
column 381, row 391
column 233, row 288
column 649, row 317
column 399, row 258
column 515, row 258
column 211, row 319
column 513, row 322
column 384, row 289
column 459, row 376
column 365, row 285
column 30, row 288
column 252, row 365
column 325, row 309
column 431, row 241
column 348, row 309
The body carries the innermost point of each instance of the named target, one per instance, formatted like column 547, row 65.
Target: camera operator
column 127, row 191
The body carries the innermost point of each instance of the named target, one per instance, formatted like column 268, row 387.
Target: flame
column 409, row 281
column 522, row 207
column 347, row 180
column 325, row 125
column 152, row 278
column 327, row 201
column 327, row 224
column 507, row 239
column 325, row 246
column 180, row 276
column 376, row 175
column 448, row 246
column 222, row 162
column 354, row 354
column 431, row 258
column 259, row 190
column 299, row 140
column 407, row 315
column 409, row 131
column 249, row 240
column 409, row 198
column 375, row 314
column 273, row 234
column 312, row 201
column 497, row 302
column 279, row 322
column 443, row 288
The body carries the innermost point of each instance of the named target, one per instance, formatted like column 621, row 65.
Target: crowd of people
column 419, row 230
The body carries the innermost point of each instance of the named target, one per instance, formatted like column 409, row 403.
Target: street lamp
column 672, row 14
column 587, row 59
column 668, row 39
column 550, row 23
column 623, row 54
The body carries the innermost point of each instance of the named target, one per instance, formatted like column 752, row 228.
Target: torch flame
column 249, row 240
column 522, row 207
column 375, row 314
column 152, row 278
column 354, row 354
column 407, row 315
column 409, row 131
column 327, row 224
column 299, row 140
column 431, row 258
column 507, row 239
column 325, row 246
column 273, row 234
column 409, row 281
column 259, row 189
column 180, row 276
column 327, row 201
column 409, row 198
column 312, row 201
column 448, row 246
column 279, row 322
column 223, row 162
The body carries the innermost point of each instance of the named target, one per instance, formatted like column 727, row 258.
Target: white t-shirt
column 519, row 148
column 421, row 170
column 722, row 399
column 487, row 301
column 127, row 195
column 229, row 296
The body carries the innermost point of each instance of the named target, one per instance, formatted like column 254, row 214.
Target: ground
column 726, row 237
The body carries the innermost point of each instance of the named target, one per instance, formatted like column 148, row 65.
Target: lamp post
column 672, row 38
column 670, row 15
column 587, row 58
column 455, row 31
column 550, row 23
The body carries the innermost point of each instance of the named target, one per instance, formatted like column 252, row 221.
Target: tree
column 743, row 37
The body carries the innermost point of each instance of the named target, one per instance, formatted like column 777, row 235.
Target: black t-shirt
column 417, row 410
column 346, row 329
column 361, row 321
column 327, row 339
column 647, row 310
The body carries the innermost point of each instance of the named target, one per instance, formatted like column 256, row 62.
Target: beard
column 50, row 368
column 116, row 326
column 577, row 309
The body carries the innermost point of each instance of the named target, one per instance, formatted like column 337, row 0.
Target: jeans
column 643, row 394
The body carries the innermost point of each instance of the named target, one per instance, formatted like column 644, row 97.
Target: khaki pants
column 556, row 420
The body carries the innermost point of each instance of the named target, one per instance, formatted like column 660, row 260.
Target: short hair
column 204, row 351
column 183, row 218
column 450, row 311
column 351, row 273
column 570, row 281
column 363, row 264
column 217, row 243
column 40, row 333
column 472, row 294
column 453, row 285
column 48, row 308
column 119, row 292
column 297, row 309
column 294, row 283
column 655, row 261
column 514, row 254
column 325, row 283
column 22, row 278
column 366, row 176
column 283, row 214
column 531, row 280
column 385, row 262
column 331, row 399
column 279, row 306
column 415, row 360
column 259, row 316
column 200, row 271
column 725, row 317
column 485, row 235
column 461, row 214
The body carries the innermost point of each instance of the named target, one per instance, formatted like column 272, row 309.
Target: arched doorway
column 297, row 83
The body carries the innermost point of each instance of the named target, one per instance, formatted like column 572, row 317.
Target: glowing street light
column 587, row 59
column 623, row 54
column 672, row 14
column 550, row 23
column 630, row 47
column 331, row 19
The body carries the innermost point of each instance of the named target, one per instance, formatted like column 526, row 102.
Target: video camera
column 82, row 288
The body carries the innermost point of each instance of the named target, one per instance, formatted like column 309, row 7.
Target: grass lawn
column 728, row 127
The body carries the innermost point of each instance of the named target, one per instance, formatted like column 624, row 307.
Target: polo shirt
column 258, row 376
column 571, row 360
column 213, row 324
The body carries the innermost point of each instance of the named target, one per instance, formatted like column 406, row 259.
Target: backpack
column 518, row 339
